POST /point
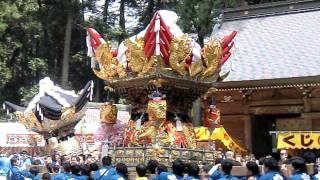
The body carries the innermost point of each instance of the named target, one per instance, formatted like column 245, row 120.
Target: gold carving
column 109, row 66
column 212, row 53
column 108, row 113
column 137, row 61
column 196, row 68
column 179, row 51
column 29, row 120
column 157, row 109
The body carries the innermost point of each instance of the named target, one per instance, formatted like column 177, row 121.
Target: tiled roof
column 280, row 46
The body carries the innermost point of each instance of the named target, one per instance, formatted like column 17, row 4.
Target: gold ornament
column 29, row 120
column 196, row 68
column 180, row 49
column 149, row 132
column 109, row 66
column 137, row 61
column 157, row 110
column 157, row 82
column 211, row 57
column 108, row 113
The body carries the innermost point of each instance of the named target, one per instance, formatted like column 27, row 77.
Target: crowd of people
column 86, row 167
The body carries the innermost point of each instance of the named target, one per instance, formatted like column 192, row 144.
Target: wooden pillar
column 196, row 113
column 246, row 97
column 247, row 132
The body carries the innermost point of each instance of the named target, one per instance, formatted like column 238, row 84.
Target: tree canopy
column 41, row 38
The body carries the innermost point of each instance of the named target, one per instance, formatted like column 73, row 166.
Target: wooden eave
column 308, row 81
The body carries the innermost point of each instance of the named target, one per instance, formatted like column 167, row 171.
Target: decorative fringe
column 178, row 123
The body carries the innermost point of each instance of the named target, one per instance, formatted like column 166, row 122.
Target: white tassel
column 233, row 67
column 91, row 91
column 157, row 30
column 7, row 111
column 139, row 122
column 178, row 123
column 89, row 47
column 102, row 41
column 3, row 106
column 158, row 43
column 93, row 62
column 157, row 24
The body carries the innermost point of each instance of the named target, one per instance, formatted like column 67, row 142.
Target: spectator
column 94, row 166
column 36, row 161
column 46, row 176
column 74, row 160
column 206, row 168
column 271, row 170
column 226, row 167
column 309, row 157
column 85, row 171
column 152, row 165
column 230, row 156
column 65, row 174
column 193, row 171
column 4, row 166
column 122, row 172
column 63, row 159
column 107, row 170
column 160, row 168
column 89, row 160
column 178, row 168
column 141, row 170
column 253, row 172
column 82, row 158
column 283, row 156
column 298, row 171
column 53, row 168
column 75, row 173
column 56, row 159
column 15, row 173
column 261, row 161
column 25, row 162
column 34, row 172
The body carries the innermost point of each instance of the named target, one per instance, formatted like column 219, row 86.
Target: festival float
column 162, row 71
column 53, row 113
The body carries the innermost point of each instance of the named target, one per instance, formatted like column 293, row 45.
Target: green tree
column 197, row 16
column 20, row 59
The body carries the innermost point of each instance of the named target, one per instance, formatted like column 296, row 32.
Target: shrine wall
column 292, row 109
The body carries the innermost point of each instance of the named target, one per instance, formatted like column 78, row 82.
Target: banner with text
column 298, row 140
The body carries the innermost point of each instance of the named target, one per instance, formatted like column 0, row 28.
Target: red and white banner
column 24, row 140
column 90, row 138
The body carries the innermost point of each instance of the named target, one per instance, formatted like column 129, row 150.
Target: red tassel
column 150, row 51
column 150, row 28
column 227, row 49
column 224, row 59
column 115, row 52
column 165, row 54
column 165, row 41
column 166, row 29
column 227, row 39
column 95, row 37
